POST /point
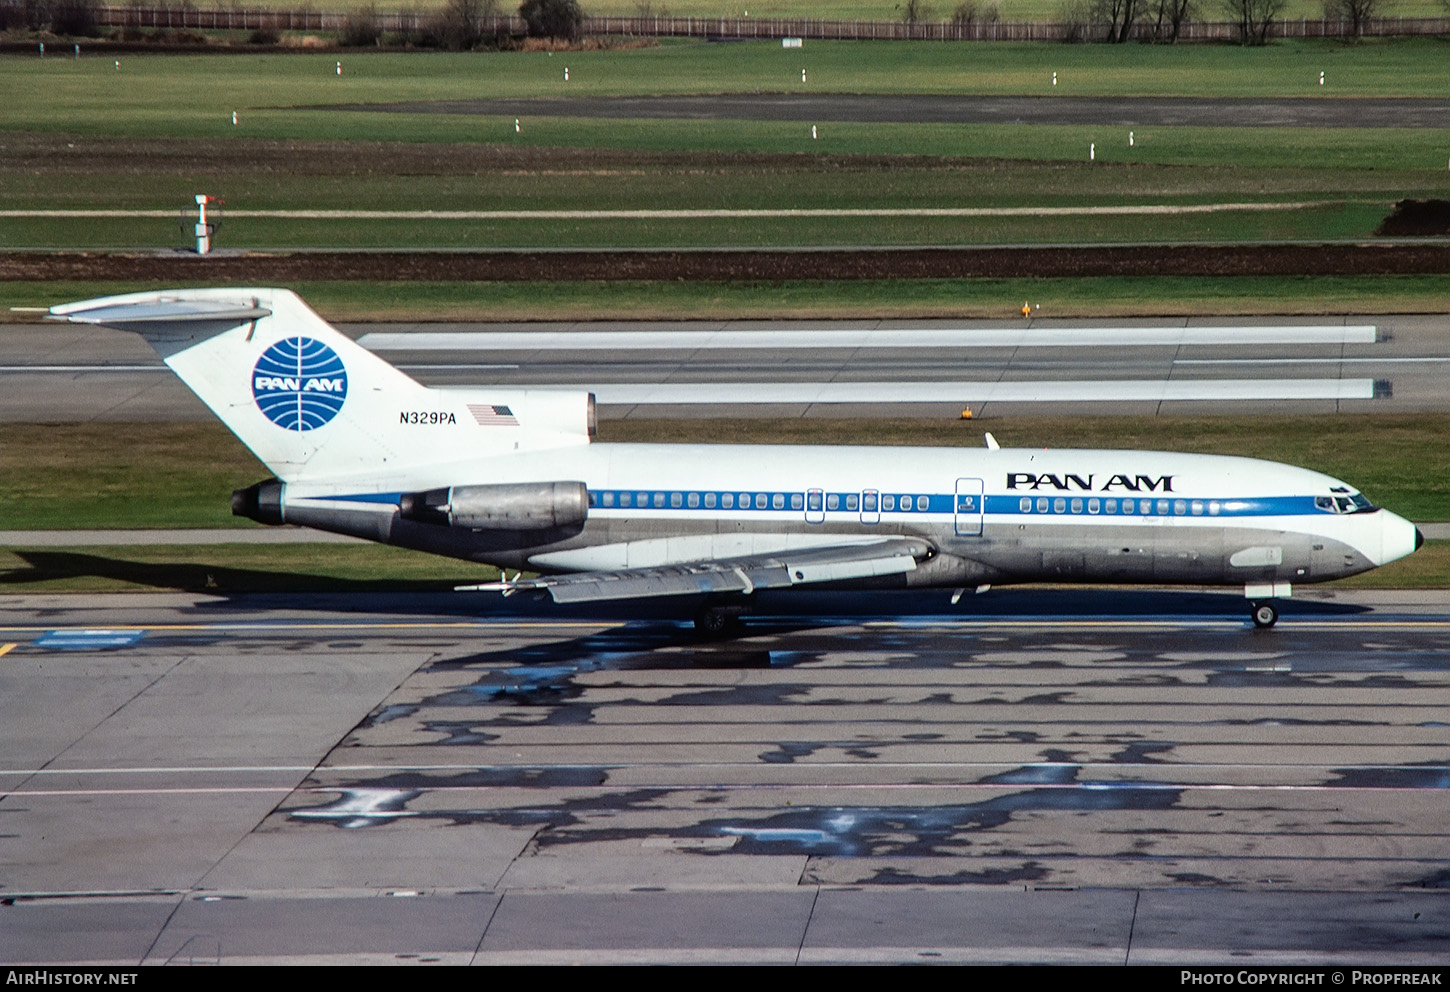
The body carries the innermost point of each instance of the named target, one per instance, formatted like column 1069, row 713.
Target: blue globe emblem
column 299, row 384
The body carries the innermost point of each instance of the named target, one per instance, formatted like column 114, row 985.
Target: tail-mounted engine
column 262, row 502
column 512, row 506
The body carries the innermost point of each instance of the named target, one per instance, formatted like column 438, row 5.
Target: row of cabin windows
column 1147, row 507
column 813, row 500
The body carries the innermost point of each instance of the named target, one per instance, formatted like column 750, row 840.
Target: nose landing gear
column 1264, row 615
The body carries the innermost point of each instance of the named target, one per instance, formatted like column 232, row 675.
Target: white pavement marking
column 985, row 337
column 1103, row 390
column 1151, row 209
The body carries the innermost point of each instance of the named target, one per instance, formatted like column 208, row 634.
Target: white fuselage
column 993, row 515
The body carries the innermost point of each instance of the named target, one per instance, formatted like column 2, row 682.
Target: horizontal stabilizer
column 169, row 325
column 744, row 574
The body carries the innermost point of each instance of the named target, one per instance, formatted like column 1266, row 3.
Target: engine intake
column 510, row 506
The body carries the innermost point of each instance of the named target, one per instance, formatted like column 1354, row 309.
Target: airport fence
column 185, row 15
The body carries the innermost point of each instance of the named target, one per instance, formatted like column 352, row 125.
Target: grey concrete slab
column 83, row 931
column 1397, row 928
column 280, row 855
column 253, row 929
column 996, row 926
column 645, row 863
column 619, row 927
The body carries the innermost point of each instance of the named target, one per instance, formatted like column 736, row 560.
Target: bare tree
column 1356, row 12
column 1115, row 17
column 1171, row 16
column 459, row 26
column 1255, row 18
column 562, row 19
column 976, row 12
column 915, row 12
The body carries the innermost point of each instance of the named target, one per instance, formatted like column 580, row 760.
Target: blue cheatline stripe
column 1002, row 504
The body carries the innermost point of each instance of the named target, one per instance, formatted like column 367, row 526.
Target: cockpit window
column 1353, row 503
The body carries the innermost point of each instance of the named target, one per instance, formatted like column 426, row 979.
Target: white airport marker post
column 339, row 68
column 234, row 118
column 803, row 75
column 566, row 73
column 1092, row 152
column 203, row 229
column 813, row 132
column 1321, row 79
column 516, row 125
column 1130, row 139
column 1054, row 79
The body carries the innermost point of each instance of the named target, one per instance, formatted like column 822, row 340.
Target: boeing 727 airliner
column 512, row 478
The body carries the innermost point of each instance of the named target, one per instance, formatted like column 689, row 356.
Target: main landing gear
column 1264, row 615
column 719, row 616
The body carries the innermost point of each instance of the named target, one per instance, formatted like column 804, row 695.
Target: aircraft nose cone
column 1398, row 538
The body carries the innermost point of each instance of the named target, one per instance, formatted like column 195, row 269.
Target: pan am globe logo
column 299, row 384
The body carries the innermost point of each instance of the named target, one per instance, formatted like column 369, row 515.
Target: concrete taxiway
column 1027, row 776
column 51, row 373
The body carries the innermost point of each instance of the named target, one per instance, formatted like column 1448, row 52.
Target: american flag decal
column 492, row 416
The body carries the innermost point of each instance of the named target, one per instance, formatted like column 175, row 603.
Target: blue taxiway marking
column 87, row 640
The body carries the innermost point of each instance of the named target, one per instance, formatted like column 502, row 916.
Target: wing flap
column 745, row 574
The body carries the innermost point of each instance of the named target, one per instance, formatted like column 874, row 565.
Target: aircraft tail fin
column 313, row 404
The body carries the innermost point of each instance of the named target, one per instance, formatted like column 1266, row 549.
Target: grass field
column 989, row 298
column 81, row 134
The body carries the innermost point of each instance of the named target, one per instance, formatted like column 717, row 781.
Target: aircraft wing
column 745, row 574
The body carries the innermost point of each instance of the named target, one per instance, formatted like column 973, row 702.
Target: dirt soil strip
column 731, row 265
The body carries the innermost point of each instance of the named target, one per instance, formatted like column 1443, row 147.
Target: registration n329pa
column 513, row 478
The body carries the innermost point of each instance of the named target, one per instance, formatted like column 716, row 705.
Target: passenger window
column 1059, row 505
column 1024, row 505
column 851, row 501
column 777, row 502
column 760, row 501
column 1077, row 506
column 624, row 499
column 659, row 501
column 1042, row 504
column 591, row 499
column 692, row 500
column 728, row 501
column 1179, row 507
column 868, row 502
column 1197, row 506
column 814, row 503
column 709, row 501
column 796, row 501
column 833, row 502
column 1093, row 506
column 923, row 503
column 1111, row 506
column 1162, row 507
column 744, row 501
column 676, row 500
column 1213, row 508
column 888, row 503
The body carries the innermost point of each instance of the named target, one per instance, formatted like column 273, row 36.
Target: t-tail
column 316, row 407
